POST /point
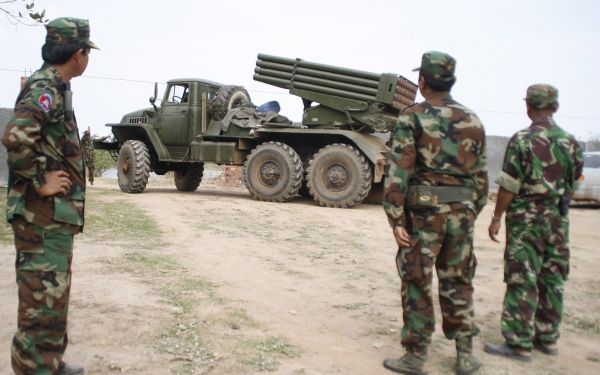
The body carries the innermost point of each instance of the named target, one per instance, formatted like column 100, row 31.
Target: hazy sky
column 501, row 47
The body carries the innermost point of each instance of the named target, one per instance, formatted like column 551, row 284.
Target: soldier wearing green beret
column 435, row 186
column 45, row 202
column 541, row 169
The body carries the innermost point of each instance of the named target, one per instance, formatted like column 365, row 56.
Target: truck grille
column 138, row 120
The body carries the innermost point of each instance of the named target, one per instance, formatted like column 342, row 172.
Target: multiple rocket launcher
column 363, row 96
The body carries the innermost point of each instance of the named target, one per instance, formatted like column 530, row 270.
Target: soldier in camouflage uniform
column 542, row 166
column 45, row 203
column 436, row 185
column 87, row 148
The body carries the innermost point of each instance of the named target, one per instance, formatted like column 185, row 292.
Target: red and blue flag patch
column 45, row 102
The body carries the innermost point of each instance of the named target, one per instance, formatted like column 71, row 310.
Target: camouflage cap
column 542, row 96
column 438, row 66
column 67, row 30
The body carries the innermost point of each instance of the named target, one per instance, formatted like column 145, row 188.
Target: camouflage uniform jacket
column 39, row 138
column 438, row 142
column 541, row 162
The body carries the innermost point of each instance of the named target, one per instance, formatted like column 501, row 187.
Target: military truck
column 336, row 154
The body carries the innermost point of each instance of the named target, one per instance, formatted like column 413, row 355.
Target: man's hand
column 57, row 182
column 401, row 236
column 494, row 229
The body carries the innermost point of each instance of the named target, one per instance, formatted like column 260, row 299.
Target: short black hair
column 437, row 85
column 57, row 54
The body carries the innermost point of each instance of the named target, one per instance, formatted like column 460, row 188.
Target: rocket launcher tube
column 285, row 84
column 319, row 74
column 316, row 81
column 323, row 67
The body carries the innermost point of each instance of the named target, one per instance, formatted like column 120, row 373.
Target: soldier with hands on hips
column 45, row 201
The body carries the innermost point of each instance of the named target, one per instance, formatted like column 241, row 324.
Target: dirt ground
column 229, row 285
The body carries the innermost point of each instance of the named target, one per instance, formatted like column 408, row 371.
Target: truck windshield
column 178, row 93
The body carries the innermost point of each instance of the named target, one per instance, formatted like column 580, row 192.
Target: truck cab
column 179, row 117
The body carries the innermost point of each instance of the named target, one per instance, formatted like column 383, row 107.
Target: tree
column 12, row 11
column 103, row 162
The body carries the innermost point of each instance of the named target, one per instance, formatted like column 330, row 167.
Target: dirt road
column 225, row 285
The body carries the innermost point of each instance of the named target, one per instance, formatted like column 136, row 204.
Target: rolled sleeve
column 508, row 182
column 513, row 174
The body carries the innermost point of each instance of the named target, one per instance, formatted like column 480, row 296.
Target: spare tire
column 228, row 97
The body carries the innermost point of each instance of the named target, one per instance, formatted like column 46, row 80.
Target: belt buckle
column 427, row 196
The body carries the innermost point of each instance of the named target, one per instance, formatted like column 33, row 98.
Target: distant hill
column 5, row 114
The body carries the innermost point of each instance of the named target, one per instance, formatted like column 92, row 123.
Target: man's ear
column 421, row 82
column 81, row 52
column 77, row 55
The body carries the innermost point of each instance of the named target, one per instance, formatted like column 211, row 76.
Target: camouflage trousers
column 443, row 241
column 90, row 170
column 43, row 270
column 536, row 265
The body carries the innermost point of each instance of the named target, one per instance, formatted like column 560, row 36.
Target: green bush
column 103, row 162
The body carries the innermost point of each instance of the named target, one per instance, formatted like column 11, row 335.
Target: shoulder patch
column 45, row 102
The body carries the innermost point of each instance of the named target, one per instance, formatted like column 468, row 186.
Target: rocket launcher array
column 393, row 91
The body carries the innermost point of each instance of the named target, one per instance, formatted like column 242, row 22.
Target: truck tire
column 273, row 172
column 133, row 166
column 339, row 176
column 188, row 179
column 228, row 97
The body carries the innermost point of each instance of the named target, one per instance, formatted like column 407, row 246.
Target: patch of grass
column 151, row 263
column 183, row 341
column 138, row 263
column 105, row 218
column 6, row 233
column 264, row 355
column 198, row 284
column 593, row 357
column 116, row 219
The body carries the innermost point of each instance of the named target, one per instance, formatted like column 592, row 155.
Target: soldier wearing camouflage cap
column 542, row 166
column 541, row 96
column 46, row 194
column 435, row 186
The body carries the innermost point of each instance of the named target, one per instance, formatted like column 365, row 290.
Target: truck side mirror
column 152, row 99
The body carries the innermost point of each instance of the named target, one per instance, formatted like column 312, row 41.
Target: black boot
column 64, row 369
column 411, row 363
column 466, row 362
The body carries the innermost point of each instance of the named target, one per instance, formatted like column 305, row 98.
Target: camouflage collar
column 54, row 74
column 548, row 123
column 437, row 96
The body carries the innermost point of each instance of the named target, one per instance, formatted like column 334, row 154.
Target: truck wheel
column 273, row 172
column 188, row 179
column 228, row 97
column 133, row 166
column 339, row 176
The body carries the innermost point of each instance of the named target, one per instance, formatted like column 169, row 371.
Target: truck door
column 174, row 119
